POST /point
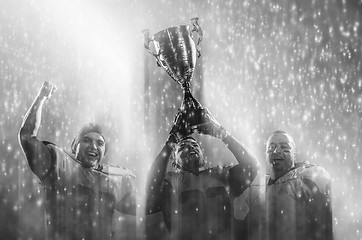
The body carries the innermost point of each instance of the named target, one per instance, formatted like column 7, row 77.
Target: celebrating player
column 196, row 202
column 293, row 202
column 81, row 194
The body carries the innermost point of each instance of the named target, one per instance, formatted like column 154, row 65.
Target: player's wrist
column 223, row 134
column 42, row 96
column 172, row 140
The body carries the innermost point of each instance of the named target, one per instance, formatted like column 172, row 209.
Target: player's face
column 190, row 156
column 91, row 149
column 280, row 153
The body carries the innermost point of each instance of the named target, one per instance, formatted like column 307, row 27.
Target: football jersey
column 199, row 207
column 80, row 201
column 295, row 206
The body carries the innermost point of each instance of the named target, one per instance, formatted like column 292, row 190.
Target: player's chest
column 199, row 190
column 86, row 188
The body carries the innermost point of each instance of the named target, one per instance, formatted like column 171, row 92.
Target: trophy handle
column 196, row 28
column 146, row 43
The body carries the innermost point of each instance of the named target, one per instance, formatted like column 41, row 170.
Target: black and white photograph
column 180, row 120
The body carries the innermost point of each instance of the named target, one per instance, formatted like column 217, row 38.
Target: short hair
column 87, row 128
column 279, row 131
column 285, row 133
column 174, row 157
column 290, row 139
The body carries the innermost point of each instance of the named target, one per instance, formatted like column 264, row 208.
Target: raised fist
column 47, row 89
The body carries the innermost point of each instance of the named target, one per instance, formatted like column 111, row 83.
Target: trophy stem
column 189, row 102
column 192, row 108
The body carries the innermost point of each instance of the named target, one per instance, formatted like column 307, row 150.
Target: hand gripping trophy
column 175, row 51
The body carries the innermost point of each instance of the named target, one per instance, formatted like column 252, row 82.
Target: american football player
column 195, row 201
column 293, row 202
column 81, row 194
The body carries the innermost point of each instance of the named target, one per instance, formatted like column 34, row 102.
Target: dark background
column 265, row 65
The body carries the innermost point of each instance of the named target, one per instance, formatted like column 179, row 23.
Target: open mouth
column 192, row 157
column 92, row 154
column 276, row 160
column 193, row 154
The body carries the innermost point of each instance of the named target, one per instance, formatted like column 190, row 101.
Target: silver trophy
column 176, row 51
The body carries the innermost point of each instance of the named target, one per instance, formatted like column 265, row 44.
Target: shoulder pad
column 112, row 169
column 48, row 143
column 172, row 174
column 218, row 169
column 318, row 175
column 56, row 148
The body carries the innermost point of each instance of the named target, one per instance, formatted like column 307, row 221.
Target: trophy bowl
column 176, row 51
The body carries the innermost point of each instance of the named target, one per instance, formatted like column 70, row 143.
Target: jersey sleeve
column 316, row 189
column 123, row 181
column 241, row 205
column 318, row 176
column 237, row 180
column 52, row 160
column 62, row 166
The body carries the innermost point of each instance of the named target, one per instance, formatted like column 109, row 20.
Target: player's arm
column 245, row 172
column 37, row 154
column 317, row 189
column 322, row 215
column 156, row 177
column 156, row 186
column 242, row 175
